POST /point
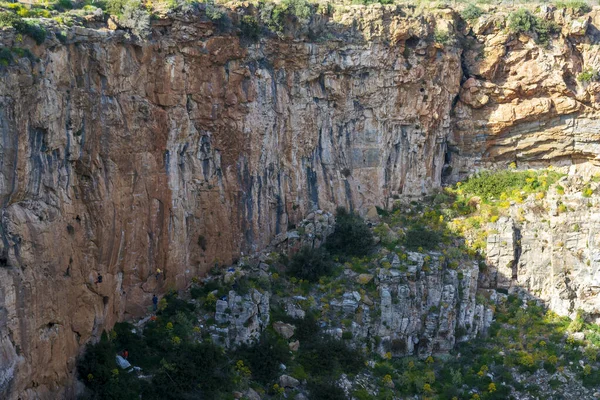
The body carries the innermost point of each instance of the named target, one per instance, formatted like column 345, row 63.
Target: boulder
column 287, row 381
column 285, row 330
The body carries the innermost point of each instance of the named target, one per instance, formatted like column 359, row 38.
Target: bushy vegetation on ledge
column 352, row 237
column 178, row 363
column 262, row 17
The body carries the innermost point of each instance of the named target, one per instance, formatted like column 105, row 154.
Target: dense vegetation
column 352, row 237
column 182, row 364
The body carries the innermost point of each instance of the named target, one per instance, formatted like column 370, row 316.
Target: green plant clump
column 588, row 75
column 441, row 37
column 310, row 264
column 277, row 16
column 351, row 237
column 471, row 12
column 6, row 57
column 28, row 28
column 524, row 22
column 579, row 6
column 250, row 28
column 488, row 185
column 422, row 237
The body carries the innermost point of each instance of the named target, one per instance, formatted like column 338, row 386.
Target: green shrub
column 588, row 75
column 28, row 28
column 351, row 237
column 325, row 391
column 136, row 18
column 196, row 370
column 250, row 29
column 524, row 22
column 489, row 184
column 276, row 16
column 471, row 12
column 20, row 52
column 62, row 5
column 131, row 14
column 98, row 370
column 310, row 264
column 6, row 57
column 441, row 37
column 328, row 357
column 579, row 6
column 264, row 357
column 422, row 237
column 578, row 322
column 214, row 12
column 367, row 2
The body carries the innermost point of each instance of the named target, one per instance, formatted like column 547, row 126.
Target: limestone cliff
column 121, row 156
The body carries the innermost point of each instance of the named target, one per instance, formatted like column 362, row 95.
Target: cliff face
column 119, row 157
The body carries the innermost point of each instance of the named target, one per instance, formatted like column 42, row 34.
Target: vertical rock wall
column 119, row 158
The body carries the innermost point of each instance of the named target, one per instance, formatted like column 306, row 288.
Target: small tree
column 352, row 236
column 310, row 264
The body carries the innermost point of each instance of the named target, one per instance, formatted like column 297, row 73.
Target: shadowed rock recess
column 194, row 147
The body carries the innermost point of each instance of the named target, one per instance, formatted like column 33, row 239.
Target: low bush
column 196, row 370
column 310, row 264
column 441, row 37
column 250, row 28
column 588, row 75
column 99, row 372
column 264, row 357
column 6, row 57
column 330, row 357
column 488, row 184
column 277, row 16
column 579, row 6
column 28, row 28
column 351, row 237
column 471, row 12
column 131, row 14
column 367, row 2
column 524, row 22
column 325, row 391
column 422, row 237
column 62, row 5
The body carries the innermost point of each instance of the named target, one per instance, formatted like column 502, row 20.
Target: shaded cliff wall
column 121, row 157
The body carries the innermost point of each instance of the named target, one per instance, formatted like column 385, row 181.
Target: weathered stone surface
column 287, row 381
column 548, row 253
column 244, row 316
column 502, row 253
column 285, row 330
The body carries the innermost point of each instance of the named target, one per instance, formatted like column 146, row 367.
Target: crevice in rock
column 517, row 250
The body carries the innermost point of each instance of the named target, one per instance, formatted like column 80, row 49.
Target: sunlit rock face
column 120, row 157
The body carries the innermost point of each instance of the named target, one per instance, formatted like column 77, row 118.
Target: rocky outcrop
column 423, row 307
column 242, row 318
column 555, row 255
column 121, row 157
column 522, row 101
